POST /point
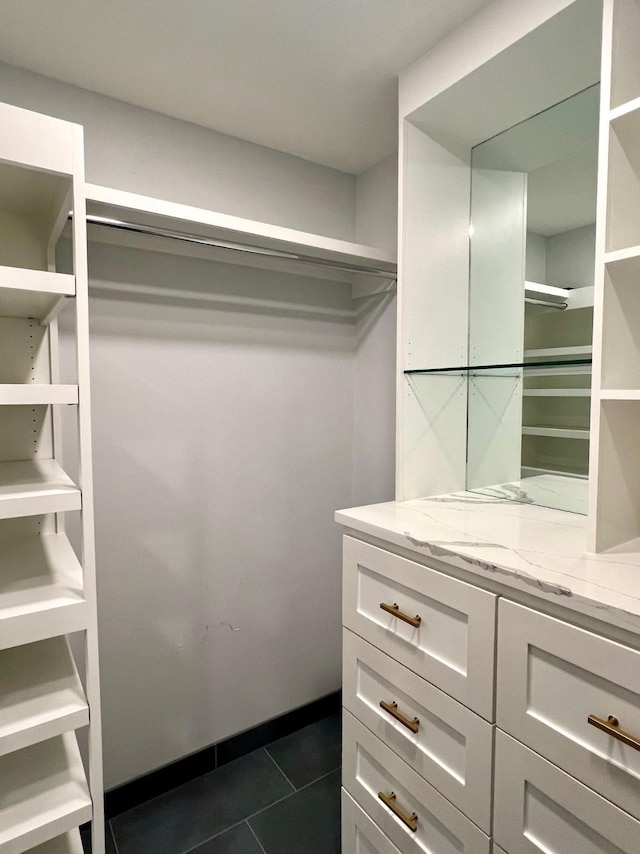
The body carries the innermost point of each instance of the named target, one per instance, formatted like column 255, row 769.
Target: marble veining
column 524, row 546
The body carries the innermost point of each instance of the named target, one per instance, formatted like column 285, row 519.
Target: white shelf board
column 556, row 432
column 620, row 394
column 40, row 694
column 33, row 293
column 41, row 592
column 145, row 210
column 67, row 843
column 37, row 394
column 556, row 392
column 580, row 298
column 625, row 109
column 559, row 352
column 43, row 794
column 35, row 487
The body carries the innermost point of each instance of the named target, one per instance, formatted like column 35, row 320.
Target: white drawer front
column 453, row 647
column 359, row 834
column 551, row 677
column 453, row 746
column 369, row 768
column 541, row 810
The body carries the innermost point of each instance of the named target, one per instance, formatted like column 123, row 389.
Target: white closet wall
column 224, row 437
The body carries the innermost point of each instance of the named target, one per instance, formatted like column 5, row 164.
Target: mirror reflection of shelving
column 532, row 259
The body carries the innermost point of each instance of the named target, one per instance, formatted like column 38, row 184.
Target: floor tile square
column 193, row 813
column 238, row 840
column 309, row 753
column 308, row 822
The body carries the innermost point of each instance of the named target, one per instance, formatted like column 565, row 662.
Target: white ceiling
column 314, row 78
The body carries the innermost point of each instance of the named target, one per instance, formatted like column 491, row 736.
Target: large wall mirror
column 532, row 245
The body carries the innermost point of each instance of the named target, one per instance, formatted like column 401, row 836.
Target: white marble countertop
column 538, row 550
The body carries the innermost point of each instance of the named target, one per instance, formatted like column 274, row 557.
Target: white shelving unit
column 47, row 587
column 615, row 458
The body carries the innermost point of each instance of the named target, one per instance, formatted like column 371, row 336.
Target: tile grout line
column 255, row 837
column 266, row 750
column 258, row 812
column 113, row 838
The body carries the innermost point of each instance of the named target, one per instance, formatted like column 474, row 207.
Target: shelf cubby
column 618, row 485
column 621, row 323
column 41, row 593
column 625, row 76
column 36, row 487
column 43, row 794
column 40, row 694
column 623, row 202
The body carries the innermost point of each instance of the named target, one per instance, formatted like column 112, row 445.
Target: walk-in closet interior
column 261, row 262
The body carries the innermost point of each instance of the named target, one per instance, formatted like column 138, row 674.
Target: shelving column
column 47, row 589
column 615, row 417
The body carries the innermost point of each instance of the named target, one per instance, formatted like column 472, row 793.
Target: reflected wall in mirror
column 533, row 211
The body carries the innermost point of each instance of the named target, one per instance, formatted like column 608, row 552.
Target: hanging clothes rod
column 559, row 305
column 153, row 231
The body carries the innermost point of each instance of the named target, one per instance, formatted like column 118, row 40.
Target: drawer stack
column 573, row 697
column 418, row 707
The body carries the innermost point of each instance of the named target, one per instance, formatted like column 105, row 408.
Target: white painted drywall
column 145, row 152
column 222, row 447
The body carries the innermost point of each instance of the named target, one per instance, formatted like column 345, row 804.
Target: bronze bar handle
column 612, row 727
column 395, row 610
column 390, row 801
column 392, row 708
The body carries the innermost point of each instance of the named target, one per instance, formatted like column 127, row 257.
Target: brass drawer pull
column 612, row 727
column 390, row 801
column 392, row 709
column 395, row 610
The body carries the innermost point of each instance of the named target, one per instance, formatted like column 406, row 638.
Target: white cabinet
column 436, row 626
column 431, row 773
column 539, row 808
column 47, row 588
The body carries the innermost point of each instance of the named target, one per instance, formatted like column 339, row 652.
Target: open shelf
column 555, row 432
column 41, row 593
column 620, row 321
column 275, row 242
column 623, row 202
column 40, row 694
column 37, row 394
column 68, row 843
column 33, row 293
column 43, row 794
column 35, row 487
column 534, row 471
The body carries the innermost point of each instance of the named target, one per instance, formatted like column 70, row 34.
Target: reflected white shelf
column 43, row 794
column 559, row 352
column 556, row 392
column 556, row 432
column 34, row 487
column 532, row 471
column 40, row 694
column 41, row 592
column 172, row 216
column 37, row 394
column 68, row 843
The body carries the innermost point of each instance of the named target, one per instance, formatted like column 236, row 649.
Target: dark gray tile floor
column 281, row 799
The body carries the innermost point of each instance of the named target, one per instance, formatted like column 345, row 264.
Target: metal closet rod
column 154, row 231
